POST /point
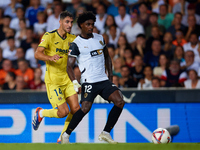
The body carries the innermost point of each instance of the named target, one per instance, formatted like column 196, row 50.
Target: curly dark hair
column 88, row 15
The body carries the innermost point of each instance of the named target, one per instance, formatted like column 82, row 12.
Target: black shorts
column 91, row 90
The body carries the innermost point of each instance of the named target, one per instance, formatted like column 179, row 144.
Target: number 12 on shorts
column 88, row 88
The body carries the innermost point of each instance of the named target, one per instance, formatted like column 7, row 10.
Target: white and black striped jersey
column 90, row 58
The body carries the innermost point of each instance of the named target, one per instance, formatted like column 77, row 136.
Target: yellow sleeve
column 45, row 40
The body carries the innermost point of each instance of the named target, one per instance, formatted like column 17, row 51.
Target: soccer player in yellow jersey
column 53, row 49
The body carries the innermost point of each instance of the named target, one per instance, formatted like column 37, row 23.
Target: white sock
column 65, row 135
column 106, row 132
column 40, row 113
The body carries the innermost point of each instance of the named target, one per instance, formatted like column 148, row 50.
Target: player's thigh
column 55, row 95
column 117, row 98
column 71, row 97
column 73, row 103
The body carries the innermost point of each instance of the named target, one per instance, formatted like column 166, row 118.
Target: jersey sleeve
column 73, row 50
column 45, row 40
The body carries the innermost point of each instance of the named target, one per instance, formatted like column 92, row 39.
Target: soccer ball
column 161, row 135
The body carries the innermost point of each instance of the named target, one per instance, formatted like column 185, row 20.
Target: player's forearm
column 41, row 56
column 108, row 64
column 70, row 72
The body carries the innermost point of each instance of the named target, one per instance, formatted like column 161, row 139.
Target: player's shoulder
column 71, row 36
column 97, row 36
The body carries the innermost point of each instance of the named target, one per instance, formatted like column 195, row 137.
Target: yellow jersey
column 56, row 72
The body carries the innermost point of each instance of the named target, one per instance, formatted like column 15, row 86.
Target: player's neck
column 62, row 33
column 86, row 36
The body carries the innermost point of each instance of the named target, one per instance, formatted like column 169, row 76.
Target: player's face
column 87, row 27
column 67, row 24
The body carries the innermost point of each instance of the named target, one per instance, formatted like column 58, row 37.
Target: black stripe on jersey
column 83, row 71
column 73, row 49
column 53, row 31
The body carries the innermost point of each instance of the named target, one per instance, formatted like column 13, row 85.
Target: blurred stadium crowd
column 152, row 43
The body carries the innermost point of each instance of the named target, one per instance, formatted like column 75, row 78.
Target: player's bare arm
column 39, row 54
column 70, row 71
column 108, row 63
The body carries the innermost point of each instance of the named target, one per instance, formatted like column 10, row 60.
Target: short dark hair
column 12, row 74
column 122, row 5
column 154, row 14
column 88, row 15
column 140, row 35
column 65, row 14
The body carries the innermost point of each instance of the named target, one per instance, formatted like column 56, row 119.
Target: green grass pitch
column 120, row 146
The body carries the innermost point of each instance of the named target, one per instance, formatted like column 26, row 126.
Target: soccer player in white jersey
column 93, row 61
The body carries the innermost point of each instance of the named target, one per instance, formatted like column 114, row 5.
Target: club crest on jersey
column 96, row 52
column 85, row 95
column 69, row 44
column 101, row 43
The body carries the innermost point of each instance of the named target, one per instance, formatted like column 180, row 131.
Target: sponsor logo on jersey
column 96, row 52
column 59, row 98
column 56, row 43
column 62, row 50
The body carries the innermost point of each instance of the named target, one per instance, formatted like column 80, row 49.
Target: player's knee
column 86, row 108
column 120, row 103
column 63, row 113
column 75, row 109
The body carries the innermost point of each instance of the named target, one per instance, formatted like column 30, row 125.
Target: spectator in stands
column 177, row 25
column 171, row 76
column 126, row 80
column 10, row 9
column 100, row 17
column 123, row 18
column 140, row 45
column 10, row 51
column 137, row 71
column 131, row 31
column 21, row 33
column 193, row 82
column 10, row 83
column 146, row 82
column 128, row 57
column 162, row 66
column 189, row 61
column 155, row 35
column 110, row 21
column 20, row 55
column 53, row 20
column 179, row 38
column 75, row 28
column 143, row 18
column 113, row 37
column 118, row 62
column 77, row 74
column 192, row 27
column 30, row 54
column 4, row 27
column 153, row 19
column 191, row 11
column 151, row 58
column 31, row 12
column 24, row 71
column 122, row 44
column 165, row 18
column 39, row 27
column 26, row 44
column 168, row 48
column 113, row 8
column 74, row 6
column 111, row 51
column 155, row 5
column 193, row 45
column 6, row 67
column 9, row 33
column 1, row 16
column 179, row 54
column 14, row 24
column 20, row 83
column 116, row 81
column 1, row 58
column 181, row 6
column 155, row 82
column 37, row 83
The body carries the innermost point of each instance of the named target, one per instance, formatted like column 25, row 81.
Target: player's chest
column 60, row 47
column 92, row 48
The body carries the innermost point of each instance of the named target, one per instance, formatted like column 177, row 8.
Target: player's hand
column 77, row 86
column 55, row 58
